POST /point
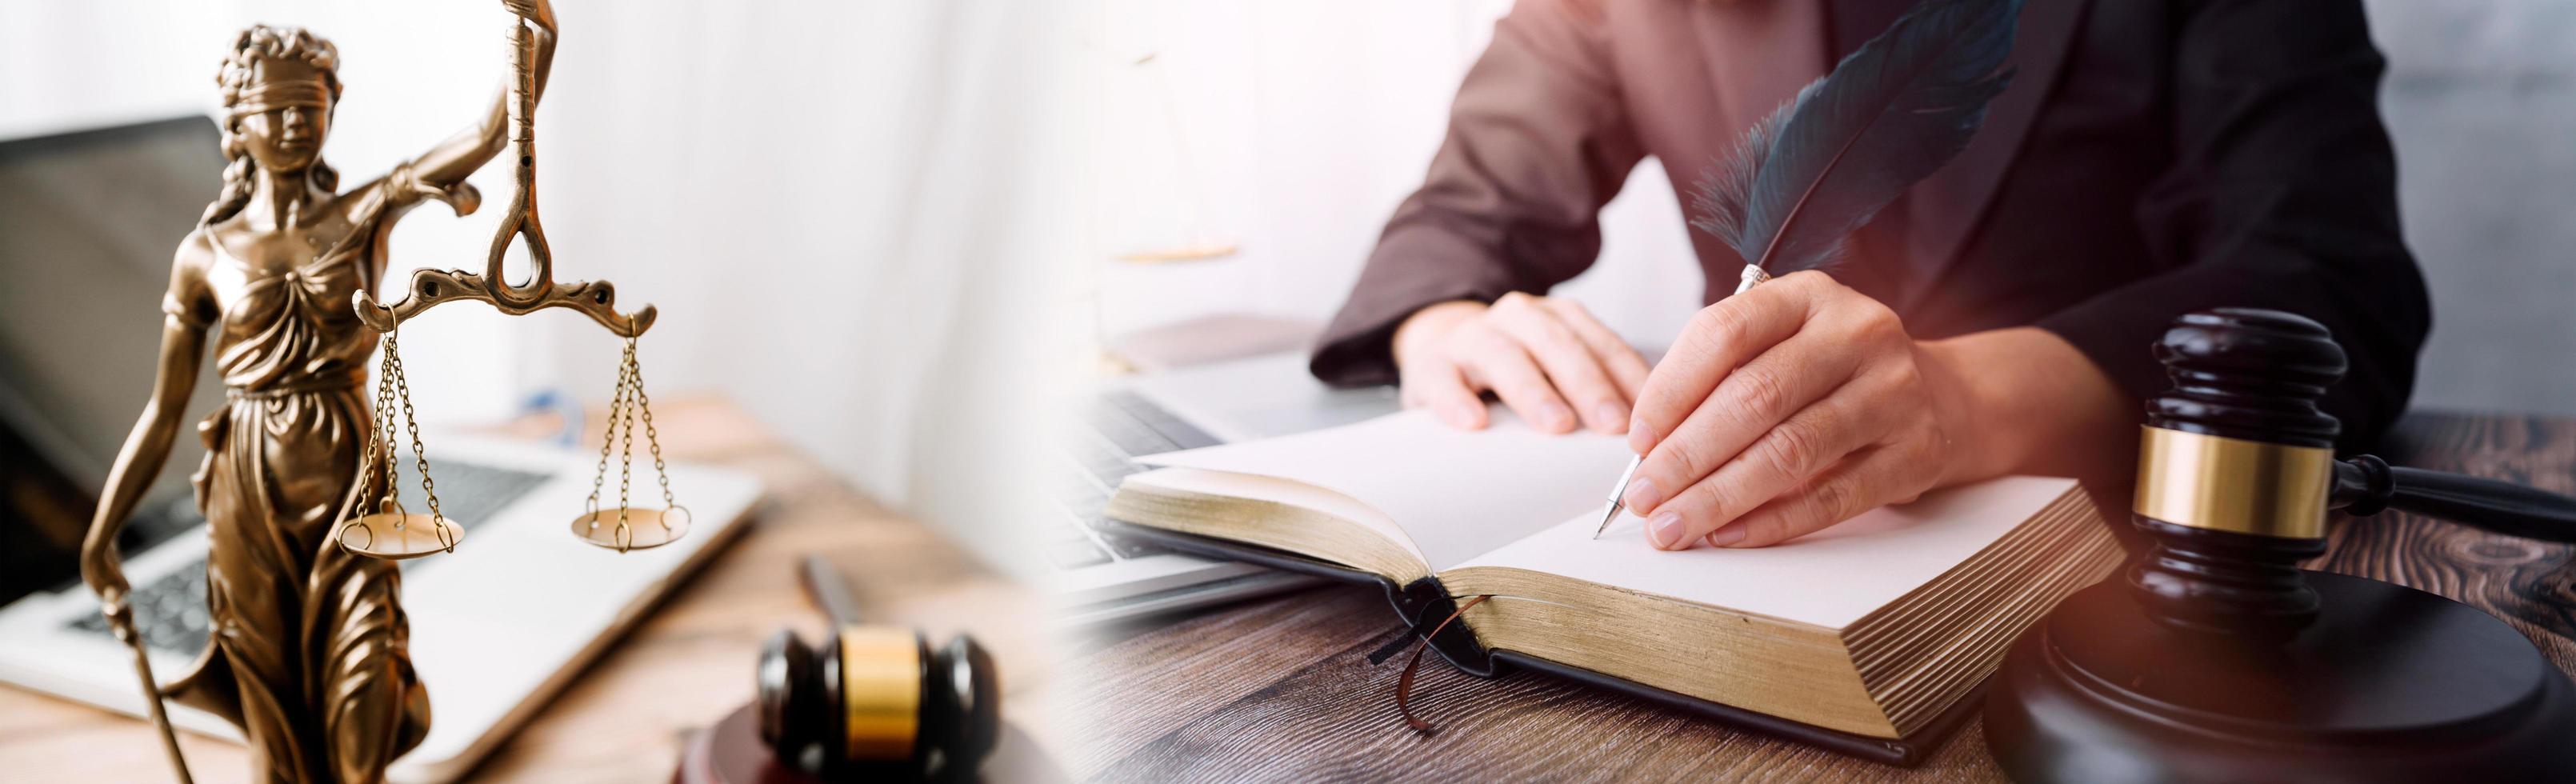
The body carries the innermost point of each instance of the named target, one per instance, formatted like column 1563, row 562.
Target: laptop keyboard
column 1116, row 426
column 170, row 612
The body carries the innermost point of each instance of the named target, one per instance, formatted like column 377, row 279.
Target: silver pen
column 1752, row 275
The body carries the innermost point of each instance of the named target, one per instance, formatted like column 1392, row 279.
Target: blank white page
column 1829, row 578
column 1456, row 493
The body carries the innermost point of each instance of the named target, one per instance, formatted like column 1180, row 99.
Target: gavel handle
column 2365, row 485
column 831, row 592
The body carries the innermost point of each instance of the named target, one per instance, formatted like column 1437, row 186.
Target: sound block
column 2388, row 683
column 731, row 753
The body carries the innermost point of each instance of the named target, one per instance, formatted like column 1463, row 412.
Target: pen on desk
column 1752, row 275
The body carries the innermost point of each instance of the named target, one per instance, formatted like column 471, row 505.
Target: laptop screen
column 89, row 221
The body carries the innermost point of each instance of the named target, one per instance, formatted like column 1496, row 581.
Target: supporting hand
column 1546, row 358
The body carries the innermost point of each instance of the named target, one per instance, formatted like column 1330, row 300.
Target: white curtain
column 1292, row 130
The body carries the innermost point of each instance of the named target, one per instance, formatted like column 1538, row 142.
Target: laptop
column 497, row 627
column 1099, row 579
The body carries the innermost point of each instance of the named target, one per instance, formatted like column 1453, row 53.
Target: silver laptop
column 1100, row 578
column 497, row 626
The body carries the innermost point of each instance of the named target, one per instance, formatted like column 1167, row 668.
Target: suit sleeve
column 2282, row 195
column 1537, row 142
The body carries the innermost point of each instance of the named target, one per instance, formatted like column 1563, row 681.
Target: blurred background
column 849, row 216
column 838, row 208
column 1289, row 131
column 889, row 188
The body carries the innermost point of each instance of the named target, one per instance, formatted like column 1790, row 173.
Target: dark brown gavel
column 2218, row 658
column 875, row 703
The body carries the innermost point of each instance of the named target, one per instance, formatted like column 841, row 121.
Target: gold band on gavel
column 880, row 691
column 2229, row 484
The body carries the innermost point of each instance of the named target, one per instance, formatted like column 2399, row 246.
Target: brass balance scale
column 392, row 531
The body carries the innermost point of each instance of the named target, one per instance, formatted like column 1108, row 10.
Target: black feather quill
column 1802, row 180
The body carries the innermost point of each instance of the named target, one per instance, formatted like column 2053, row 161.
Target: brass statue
column 308, row 651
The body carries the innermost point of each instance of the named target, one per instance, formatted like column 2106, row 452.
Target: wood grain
column 2529, row 584
column 1281, row 689
column 624, row 719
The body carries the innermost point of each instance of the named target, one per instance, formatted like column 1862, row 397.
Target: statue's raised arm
column 440, row 173
column 452, row 160
column 532, row 52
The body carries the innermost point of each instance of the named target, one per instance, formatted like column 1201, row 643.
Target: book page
column 1829, row 578
column 1254, row 487
column 1455, row 493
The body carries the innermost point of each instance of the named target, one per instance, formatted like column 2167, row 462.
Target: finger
column 1440, row 387
column 1575, row 373
column 1718, row 340
column 1751, row 401
column 1800, row 448
column 1500, row 364
column 1869, row 479
column 1627, row 368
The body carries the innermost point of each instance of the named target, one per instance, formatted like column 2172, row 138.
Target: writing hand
column 1785, row 409
column 1546, row 358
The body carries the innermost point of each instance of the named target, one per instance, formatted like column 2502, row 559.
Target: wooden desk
column 1282, row 688
column 687, row 665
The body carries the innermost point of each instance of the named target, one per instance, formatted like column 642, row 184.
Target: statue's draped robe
column 308, row 649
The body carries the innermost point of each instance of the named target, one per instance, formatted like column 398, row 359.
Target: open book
column 1867, row 637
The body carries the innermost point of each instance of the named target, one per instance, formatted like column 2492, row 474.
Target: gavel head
column 2234, row 467
column 878, row 702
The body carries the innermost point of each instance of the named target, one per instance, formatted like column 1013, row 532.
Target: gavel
column 875, row 703
column 2216, row 658
column 871, row 703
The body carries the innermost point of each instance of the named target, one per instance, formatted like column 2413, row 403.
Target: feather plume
column 1802, row 180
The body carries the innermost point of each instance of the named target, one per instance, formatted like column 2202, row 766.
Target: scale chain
column 626, row 453
column 419, row 455
column 368, row 465
column 385, row 432
column 607, row 442
column 652, row 438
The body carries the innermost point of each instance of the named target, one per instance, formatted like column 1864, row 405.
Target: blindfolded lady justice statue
column 308, row 649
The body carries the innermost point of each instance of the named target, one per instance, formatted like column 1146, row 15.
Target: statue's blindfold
column 270, row 96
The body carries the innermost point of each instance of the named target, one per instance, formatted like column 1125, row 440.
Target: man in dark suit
column 2150, row 158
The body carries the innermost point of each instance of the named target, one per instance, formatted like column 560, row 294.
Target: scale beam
column 429, row 288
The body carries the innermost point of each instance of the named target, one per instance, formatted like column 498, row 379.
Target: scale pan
column 377, row 536
column 645, row 527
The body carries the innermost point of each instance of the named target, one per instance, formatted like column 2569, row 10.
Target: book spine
column 1423, row 605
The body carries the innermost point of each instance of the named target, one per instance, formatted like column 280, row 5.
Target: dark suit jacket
column 2151, row 157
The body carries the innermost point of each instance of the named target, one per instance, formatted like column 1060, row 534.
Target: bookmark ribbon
column 1404, row 683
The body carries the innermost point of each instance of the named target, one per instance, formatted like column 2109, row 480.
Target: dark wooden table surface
column 1282, row 688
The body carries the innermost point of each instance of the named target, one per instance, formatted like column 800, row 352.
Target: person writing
column 2149, row 159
